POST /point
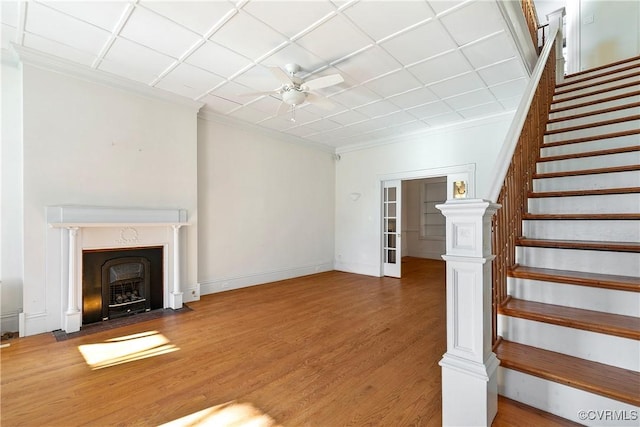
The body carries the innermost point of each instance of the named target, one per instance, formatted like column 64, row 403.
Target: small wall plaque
column 459, row 189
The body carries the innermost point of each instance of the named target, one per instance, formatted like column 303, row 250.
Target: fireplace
column 78, row 233
column 117, row 283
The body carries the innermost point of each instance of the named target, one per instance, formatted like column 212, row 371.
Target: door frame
column 464, row 172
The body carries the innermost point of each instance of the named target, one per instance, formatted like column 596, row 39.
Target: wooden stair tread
column 597, row 92
column 588, row 320
column 594, row 113
column 595, row 192
column 604, row 380
column 592, row 138
column 595, row 280
column 561, row 91
column 617, row 150
column 583, row 216
column 586, row 79
column 593, row 125
column 580, row 244
column 613, row 169
column 594, row 102
column 600, row 68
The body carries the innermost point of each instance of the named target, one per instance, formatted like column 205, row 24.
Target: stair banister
column 513, row 135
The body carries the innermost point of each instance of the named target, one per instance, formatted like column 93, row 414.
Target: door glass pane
column 391, row 209
column 391, row 194
column 391, row 225
column 391, row 256
column 391, row 240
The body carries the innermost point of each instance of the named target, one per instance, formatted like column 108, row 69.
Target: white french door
column 391, row 227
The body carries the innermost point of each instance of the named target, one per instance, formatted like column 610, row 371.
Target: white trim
column 519, row 30
column 52, row 63
column 237, row 282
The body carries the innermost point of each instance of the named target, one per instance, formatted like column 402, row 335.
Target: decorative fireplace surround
column 91, row 228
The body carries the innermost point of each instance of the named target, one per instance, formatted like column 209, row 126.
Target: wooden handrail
column 531, row 16
column 522, row 147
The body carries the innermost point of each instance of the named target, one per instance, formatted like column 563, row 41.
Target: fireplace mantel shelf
column 115, row 224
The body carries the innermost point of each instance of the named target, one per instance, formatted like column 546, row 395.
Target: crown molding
column 212, row 116
column 420, row 135
column 53, row 63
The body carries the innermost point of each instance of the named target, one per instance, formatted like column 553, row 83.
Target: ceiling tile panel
column 501, row 72
column 199, row 16
column 323, row 125
column 441, row 67
column 267, row 104
column 507, row 89
column 348, row 117
column 58, row 49
column 218, row 59
column 417, row 44
column 482, row 110
column 382, row 19
column 442, row 6
column 277, row 123
column 415, row 97
column 134, row 61
column 490, row 50
column 334, row 39
column 355, row 97
column 104, row 14
column 394, row 119
column 369, row 64
column 470, row 99
column 443, row 119
column 258, row 78
column 279, row 14
column 48, row 23
column 236, row 92
column 250, row 115
column 189, row 81
column 396, row 82
column 457, row 85
column 248, row 36
column 157, row 32
column 473, row 21
column 429, row 110
column 380, row 108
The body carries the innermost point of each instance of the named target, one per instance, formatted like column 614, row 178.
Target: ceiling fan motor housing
column 293, row 96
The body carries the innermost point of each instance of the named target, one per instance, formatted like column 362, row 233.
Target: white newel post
column 469, row 367
column 176, row 294
column 72, row 318
column 556, row 21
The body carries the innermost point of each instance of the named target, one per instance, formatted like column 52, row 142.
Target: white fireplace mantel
column 91, row 227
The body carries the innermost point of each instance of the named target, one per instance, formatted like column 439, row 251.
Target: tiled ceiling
column 407, row 65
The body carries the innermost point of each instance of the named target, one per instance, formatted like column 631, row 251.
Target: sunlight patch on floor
column 226, row 415
column 125, row 349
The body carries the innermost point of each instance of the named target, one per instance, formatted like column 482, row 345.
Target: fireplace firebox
column 119, row 283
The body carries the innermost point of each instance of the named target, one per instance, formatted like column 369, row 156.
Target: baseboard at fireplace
column 230, row 283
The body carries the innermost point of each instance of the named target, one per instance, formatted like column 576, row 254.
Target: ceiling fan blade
column 284, row 78
column 320, row 101
column 322, row 82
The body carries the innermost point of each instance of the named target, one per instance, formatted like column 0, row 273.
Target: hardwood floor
column 329, row 349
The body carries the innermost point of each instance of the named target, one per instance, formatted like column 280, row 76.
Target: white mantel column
column 469, row 367
column 175, row 299
column 73, row 316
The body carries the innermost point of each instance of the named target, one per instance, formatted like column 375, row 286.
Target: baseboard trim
column 230, row 283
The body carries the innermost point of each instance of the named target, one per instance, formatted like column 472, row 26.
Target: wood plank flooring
column 330, row 349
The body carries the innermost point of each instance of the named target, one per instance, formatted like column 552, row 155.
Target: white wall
column 266, row 207
column 600, row 32
column 90, row 144
column 11, row 258
column 358, row 225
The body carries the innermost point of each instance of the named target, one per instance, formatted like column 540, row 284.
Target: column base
column 175, row 300
column 469, row 391
column 72, row 321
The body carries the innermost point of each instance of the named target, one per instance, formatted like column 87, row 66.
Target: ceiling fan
column 295, row 91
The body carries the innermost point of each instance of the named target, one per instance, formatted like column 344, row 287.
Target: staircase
column 570, row 327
